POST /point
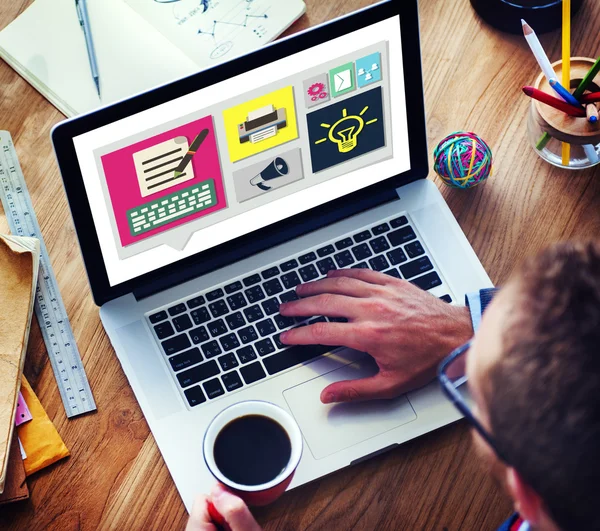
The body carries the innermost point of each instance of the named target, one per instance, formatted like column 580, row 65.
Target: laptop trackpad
column 329, row 428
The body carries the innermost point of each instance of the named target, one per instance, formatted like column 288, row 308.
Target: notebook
column 139, row 44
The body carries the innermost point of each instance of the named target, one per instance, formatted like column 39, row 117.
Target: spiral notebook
column 139, row 44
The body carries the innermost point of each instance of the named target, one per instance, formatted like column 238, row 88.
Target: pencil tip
column 527, row 29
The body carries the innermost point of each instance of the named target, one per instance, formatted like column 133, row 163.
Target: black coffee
column 252, row 450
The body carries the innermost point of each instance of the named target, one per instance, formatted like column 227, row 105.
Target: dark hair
column 544, row 393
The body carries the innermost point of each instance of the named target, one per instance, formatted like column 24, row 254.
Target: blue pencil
column 564, row 93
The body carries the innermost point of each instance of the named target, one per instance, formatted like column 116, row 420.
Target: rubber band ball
column 463, row 160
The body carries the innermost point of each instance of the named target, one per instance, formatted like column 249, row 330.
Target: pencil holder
column 548, row 128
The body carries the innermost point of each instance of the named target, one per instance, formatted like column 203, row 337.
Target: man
column 533, row 373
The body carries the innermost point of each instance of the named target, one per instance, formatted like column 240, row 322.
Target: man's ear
column 527, row 502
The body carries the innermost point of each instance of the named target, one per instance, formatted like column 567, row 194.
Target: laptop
column 200, row 206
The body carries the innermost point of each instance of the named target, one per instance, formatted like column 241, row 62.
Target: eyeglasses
column 453, row 378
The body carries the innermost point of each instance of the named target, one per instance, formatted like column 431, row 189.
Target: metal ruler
column 49, row 308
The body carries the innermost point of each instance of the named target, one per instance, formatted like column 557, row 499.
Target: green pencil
column 589, row 77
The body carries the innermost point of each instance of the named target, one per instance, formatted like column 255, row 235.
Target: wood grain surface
column 116, row 478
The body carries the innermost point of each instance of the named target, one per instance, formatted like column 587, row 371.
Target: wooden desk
column 116, row 478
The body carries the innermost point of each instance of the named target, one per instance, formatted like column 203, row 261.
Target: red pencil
column 590, row 98
column 544, row 97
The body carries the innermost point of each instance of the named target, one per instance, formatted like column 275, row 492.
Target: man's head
column 534, row 372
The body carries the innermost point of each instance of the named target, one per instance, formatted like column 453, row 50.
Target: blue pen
column 564, row 93
column 84, row 20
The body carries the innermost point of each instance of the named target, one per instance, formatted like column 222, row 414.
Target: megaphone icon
column 277, row 168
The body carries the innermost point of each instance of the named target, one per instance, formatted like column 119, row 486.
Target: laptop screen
column 238, row 156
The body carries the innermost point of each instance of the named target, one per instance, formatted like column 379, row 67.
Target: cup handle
column 217, row 518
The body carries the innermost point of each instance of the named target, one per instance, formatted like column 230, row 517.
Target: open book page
column 19, row 263
column 212, row 31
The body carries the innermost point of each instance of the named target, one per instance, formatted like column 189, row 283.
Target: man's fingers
column 199, row 518
column 332, row 334
column 325, row 304
column 374, row 387
column 340, row 285
column 233, row 509
column 366, row 275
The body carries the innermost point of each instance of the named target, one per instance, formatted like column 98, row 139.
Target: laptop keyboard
column 226, row 338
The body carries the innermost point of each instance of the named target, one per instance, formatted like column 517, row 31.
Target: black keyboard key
column 446, row 298
column 416, row 267
column 283, row 322
column 246, row 354
column 213, row 388
column 380, row 229
column 397, row 256
column 271, row 306
column 266, row 327
column 182, row 323
column 393, row 273
column 317, row 320
column 326, row 265
column 228, row 362
column 199, row 373
column 347, row 242
column 199, row 335
column 289, row 296
column 251, row 280
column 195, row 302
column 235, row 320
column 344, row 259
column 428, row 281
column 229, row 342
column 414, row 249
column 379, row 245
column 218, row 308
column 337, row 319
column 186, row 359
column 265, row 347
column 290, row 280
column 236, row 301
column 276, row 338
column 399, row 222
column 270, row 273
column 217, row 328
column 294, row 356
column 164, row 330
column 253, row 372
column 254, row 313
column 289, row 265
column 325, row 251
column 232, row 288
column 176, row 344
column 157, row 317
column 362, row 236
column 255, row 294
column 306, row 258
column 400, row 236
column 232, row 381
column 176, row 310
column 362, row 251
column 200, row 315
column 272, row 287
column 211, row 349
column 214, row 295
column 360, row 265
column 308, row 273
column 379, row 263
column 248, row 334
column 195, row 396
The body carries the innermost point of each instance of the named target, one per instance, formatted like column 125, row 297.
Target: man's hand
column 232, row 509
column 408, row 331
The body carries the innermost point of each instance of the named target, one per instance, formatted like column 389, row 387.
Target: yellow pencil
column 566, row 65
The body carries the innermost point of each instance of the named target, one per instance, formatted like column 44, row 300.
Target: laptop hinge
column 290, row 229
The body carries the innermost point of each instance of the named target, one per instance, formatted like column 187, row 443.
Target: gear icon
column 316, row 89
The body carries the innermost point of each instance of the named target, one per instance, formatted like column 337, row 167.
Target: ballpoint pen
column 84, row 20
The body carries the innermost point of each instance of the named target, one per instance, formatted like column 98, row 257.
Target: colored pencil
column 566, row 70
column 538, row 51
column 564, row 93
column 589, row 77
column 546, row 98
column 592, row 97
column 591, row 113
column 590, row 152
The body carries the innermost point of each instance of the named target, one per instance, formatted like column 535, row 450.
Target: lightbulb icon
column 345, row 131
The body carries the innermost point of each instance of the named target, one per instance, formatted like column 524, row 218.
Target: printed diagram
column 164, row 181
column 346, row 130
column 342, row 80
column 368, row 69
column 261, row 124
column 316, row 91
column 270, row 174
